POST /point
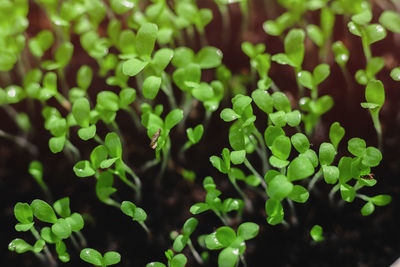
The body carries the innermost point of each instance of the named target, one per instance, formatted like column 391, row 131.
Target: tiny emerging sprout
column 153, row 143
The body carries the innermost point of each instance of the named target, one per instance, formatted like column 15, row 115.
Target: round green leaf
column 178, row 260
column 299, row 194
column 305, row 79
column 61, row 229
column 336, row 133
column 43, row 211
column 151, row 86
column 347, row 192
column 374, row 33
column 316, row 233
column 61, row 206
column 381, row 200
column 225, row 235
column 327, row 153
column 23, row 213
column 91, row 256
column 300, row 142
column 228, row 115
column 248, row 230
column 293, row 118
column 331, row 174
column 113, row 144
column 390, row 20
column 173, row 118
column 20, row 246
column 228, row 257
column 111, row 258
column 279, row 187
column 189, row 226
column 274, row 211
column 356, row 146
column 300, row 168
column 180, row 243
column 83, row 169
column 237, row 157
column 75, row 221
column 263, row 100
column 395, row 74
column 209, row 57
column 372, row 157
column 367, row 209
column 145, row 39
column 133, row 66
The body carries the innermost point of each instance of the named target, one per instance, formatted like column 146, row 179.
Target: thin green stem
column 195, row 254
column 243, row 260
column 363, row 197
column 82, row 239
column 73, row 149
column 246, row 200
column 46, row 250
column 264, row 155
column 378, row 128
column 22, row 142
column 167, row 89
column 333, row 191
column 144, row 226
column 75, row 243
column 226, row 23
column 315, row 179
column 251, row 168
column 367, row 49
column 164, row 163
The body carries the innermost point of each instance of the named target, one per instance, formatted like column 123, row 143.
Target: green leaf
column 180, row 243
column 372, row 157
column 300, row 168
column 279, row 187
column 248, row 230
column 41, row 42
column 113, row 144
column 341, row 53
column 331, row 174
column 91, row 256
column 294, row 46
column 39, row 245
column 300, row 142
column 225, row 235
column 281, row 147
column 178, row 260
column 84, row 77
column 20, row 246
column 356, row 146
column 354, row 28
column 336, row 133
column 43, row 211
column 327, row 153
column 23, row 213
column 374, row 65
column 63, row 54
column 320, row 73
column 395, row 74
column 61, row 228
column 173, row 118
column 108, row 100
column 61, row 207
column 62, row 253
column 299, row 194
column 390, row 20
column 381, row 200
column 87, row 132
column 83, row 169
column 81, row 111
column 194, row 135
column 238, row 157
column 133, row 66
column 107, row 163
column 375, row 93
column 305, row 79
column 363, row 17
column 228, row 257
column 293, row 118
column 151, row 85
column 212, row 242
column 347, row 192
column 145, row 39
column 162, row 58
column 281, row 102
column 99, row 154
column 315, row 34
column 209, row 57
column 278, row 118
column 120, row 7
column 155, row 264
column 240, row 103
column 316, row 233
column 189, row 226
column 263, row 100
column 126, row 97
column 345, row 169
column 367, row 209
column 111, row 258
column 374, row 33
column 203, row 92
column 271, row 133
column 228, row 115
column 182, row 57
column 199, row 208
column 277, row 162
column 75, row 221
column 7, row 60
column 274, row 211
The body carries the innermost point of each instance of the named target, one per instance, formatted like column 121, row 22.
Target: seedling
column 94, row 257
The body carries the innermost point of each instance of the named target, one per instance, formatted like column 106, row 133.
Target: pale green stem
column 226, row 21
column 378, row 128
column 251, row 168
column 46, row 250
column 82, row 239
column 164, row 163
column 22, row 142
column 333, row 191
column 73, row 149
column 167, row 89
column 367, row 49
column 264, row 156
column 195, row 254
column 363, row 197
column 75, row 243
column 98, row 139
column 148, row 232
column 243, row 260
column 315, row 179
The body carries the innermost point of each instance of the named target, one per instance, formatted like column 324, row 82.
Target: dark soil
column 350, row 239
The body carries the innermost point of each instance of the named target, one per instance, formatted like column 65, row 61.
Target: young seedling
column 136, row 213
column 231, row 242
column 94, row 257
column 36, row 170
column 316, row 233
